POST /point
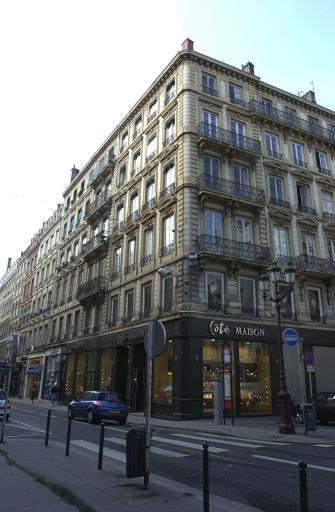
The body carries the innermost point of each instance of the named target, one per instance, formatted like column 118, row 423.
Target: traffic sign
column 309, row 358
column 290, row 337
column 155, row 340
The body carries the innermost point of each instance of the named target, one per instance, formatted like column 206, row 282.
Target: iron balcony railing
column 95, row 286
column 149, row 204
column 280, row 202
column 291, row 120
column 107, row 161
column 118, row 226
column 129, row 268
column 167, row 190
column 98, row 240
column 146, row 259
column 236, row 140
column 274, row 154
column 326, row 172
column 92, row 207
column 152, row 116
column 167, row 249
column 210, row 90
column 238, row 101
column 314, row 264
column 328, row 216
column 299, row 163
column 233, row 248
column 231, row 188
column 132, row 216
column 306, row 209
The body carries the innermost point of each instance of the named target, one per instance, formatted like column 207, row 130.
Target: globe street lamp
column 286, row 426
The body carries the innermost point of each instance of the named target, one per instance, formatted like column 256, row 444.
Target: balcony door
column 238, row 130
column 210, row 124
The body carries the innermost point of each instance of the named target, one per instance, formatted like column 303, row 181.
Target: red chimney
column 187, row 45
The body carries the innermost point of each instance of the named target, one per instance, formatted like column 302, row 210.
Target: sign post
column 154, row 343
column 309, row 360
column 290, row 337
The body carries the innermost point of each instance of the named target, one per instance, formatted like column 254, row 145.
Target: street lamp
column 286, row 426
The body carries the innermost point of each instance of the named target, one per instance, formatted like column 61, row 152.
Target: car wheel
column 298, row 417
column 122, row 422
column 70, row 413
column 90, row 417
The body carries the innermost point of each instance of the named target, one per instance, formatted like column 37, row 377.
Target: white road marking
column 244, row 439
column 21, row 424
column 112, row 454
column 27, row 435
column 153, row 449
column 184, row 444
column 324, row 445
column 322, row 468
column 220, row 441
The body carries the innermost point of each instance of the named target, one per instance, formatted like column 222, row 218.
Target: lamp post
column 286, row 426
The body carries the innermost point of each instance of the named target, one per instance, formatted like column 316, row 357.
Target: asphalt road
column 261, row 474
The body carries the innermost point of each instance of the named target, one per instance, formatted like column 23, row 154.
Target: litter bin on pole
column 309, row 415
column 135, row 451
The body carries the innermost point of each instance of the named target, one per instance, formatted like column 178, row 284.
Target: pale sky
column 72, row 69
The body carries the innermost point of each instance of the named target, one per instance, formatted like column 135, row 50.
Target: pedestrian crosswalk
column 171, row 444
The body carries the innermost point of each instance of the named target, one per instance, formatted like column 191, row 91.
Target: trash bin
column 135, row 452
column 309, row 415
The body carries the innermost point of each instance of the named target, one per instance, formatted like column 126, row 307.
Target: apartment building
column 211, row 177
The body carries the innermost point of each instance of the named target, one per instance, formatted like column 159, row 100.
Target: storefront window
column 80, row 375
column 217, row 360
column 69, row 379
column 91, row 365
column 106, row 369
column 162, row 377
column 255, row 382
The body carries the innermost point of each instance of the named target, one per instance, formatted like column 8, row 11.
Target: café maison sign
column 219, row 328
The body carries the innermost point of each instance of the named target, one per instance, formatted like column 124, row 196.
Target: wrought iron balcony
column 105, row 166
column 146, row 259
column 238, row 101
column 274, row 154
column 97, row 243
column 166, row 191
column 235, row 249
column 280, row 202
column 306, row 209
column 231, row 188
column 290, row 120
column 149, row 204
column 167, row 249
column 132, row 216
column 326, row 172
column 152, row 116
column 314, row 264
column 129, row 268
column 328, row 216
column 299, row 163
column 115, row 274
column 92, row 289
column 102, row 201
column 150, row 157
column 283, row 258
column 118, row 226
column 212, row 132
column 210, row 90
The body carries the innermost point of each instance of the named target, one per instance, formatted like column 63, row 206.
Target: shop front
column 33, row 376
column 52, row 372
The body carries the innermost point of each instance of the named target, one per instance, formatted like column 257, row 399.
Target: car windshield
column 110, row 397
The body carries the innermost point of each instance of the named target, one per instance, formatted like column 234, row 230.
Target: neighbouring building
column 211, row 177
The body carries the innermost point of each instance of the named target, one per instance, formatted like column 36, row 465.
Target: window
column 65, row 230
column 210, row 124
column 60, row 327
column 308, row 243
column 168, row 235
column 146, row 299
column 280, row 236
column 303, row 198
column 152, row 110
column 129, row 304
column 169, row 131
column 238, row 130
column 244, row 230
column 120, row 216
column 212, row 171
column 122, row 176
column 67, row 326
column 321, row 161
column 241, row 180
column 76, row 322
column 167, row 294
column 136, row 162
column 327, row 202
column 79, row 215
column 105, row 225
column 214, row 286
column 170, row 92
column 71, row 224
column 314, row 304
column 150, row 191
column 168, row 177
column 287, row 305
column 124, row 141
column 209, row 84
column 277, row 190
column 71, row 286
column 151, row 147
column 272, row 146
column 213, row 223
column 102, row 267
column 298, row 154
column 247, row 295
column 138, row 126
column 331, row 249
column 134, row 205
column 313, row 123
column 57, row 237
column 236, row 94
column 117, row 261
column 148, row 246
column 131, row 256
column 114, row 312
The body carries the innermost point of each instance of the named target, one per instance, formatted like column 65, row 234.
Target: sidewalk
column 35, row 477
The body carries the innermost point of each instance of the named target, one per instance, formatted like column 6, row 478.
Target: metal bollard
column 68, row 437
column 205, row 477
column 101, row 446
column 47, row 429
column 303, row 486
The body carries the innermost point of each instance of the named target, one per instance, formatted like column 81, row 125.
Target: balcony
column 290, row 120
column 324, row 171
column 166, row 249
column 238, row 101
column 280, row 202
column 305, row 263
column 132, row 216
column 96, row 245
column 210, row 91
column 274, row 154
column 299, row 163
column 231, row 189
column 228, row 138
column 104, row 167
column 146, row 259
column 234, row 249
column 151, row 117
column 118, row 227
column 306, row 209
column 328, row 216
column 93, row 290
column 149, row 204
column 129, row 268
column 99, row 206
column 167, row 190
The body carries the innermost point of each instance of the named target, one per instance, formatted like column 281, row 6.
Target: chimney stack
column 249, row 68
column 310, row 96
column 74, row 173
column 187, row 45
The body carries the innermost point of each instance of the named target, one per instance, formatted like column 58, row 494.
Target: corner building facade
column 211, row 177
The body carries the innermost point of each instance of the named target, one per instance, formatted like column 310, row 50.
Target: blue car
column 95, row 406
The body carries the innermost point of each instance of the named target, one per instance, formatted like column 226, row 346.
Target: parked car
column 324, row 404
column 2, row 405
column 95, row 406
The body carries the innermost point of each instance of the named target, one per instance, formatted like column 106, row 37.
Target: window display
column 255, row 382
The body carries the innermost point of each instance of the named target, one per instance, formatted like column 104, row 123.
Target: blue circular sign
column 290, row 337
